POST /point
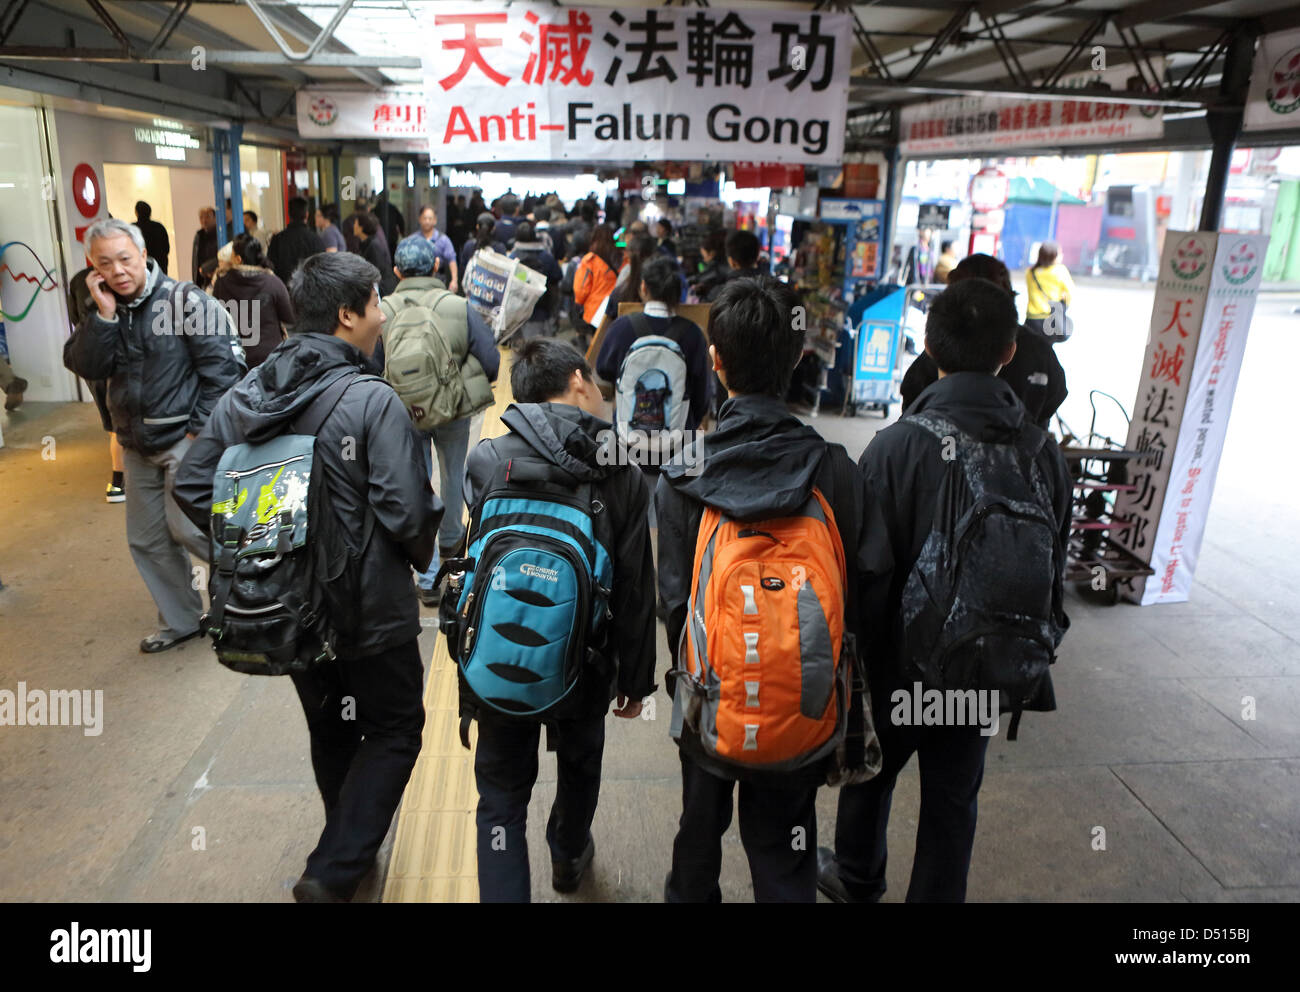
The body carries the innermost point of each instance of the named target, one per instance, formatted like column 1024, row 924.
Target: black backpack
column 982, row 606
column 284, row 583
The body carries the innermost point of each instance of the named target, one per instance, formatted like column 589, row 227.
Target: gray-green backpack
column 418, row 361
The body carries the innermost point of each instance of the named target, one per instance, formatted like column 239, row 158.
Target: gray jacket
column 164, row 374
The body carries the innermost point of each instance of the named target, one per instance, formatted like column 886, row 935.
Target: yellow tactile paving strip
column 434, row 857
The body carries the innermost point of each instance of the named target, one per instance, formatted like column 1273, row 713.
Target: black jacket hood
column 285, row 384
column 761, row 461
column 983, row 406
column 566, row 436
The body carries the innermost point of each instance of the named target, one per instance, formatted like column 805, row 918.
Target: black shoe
column 14, row 394
column 566, row 876
column 308, row 889
column 115, row 494
column 829, row 883
column 431, row 597
column 157, row 642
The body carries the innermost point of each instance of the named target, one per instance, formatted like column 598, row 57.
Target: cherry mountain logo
column 1283, row 93
column 1190, row 259
column 1241, row 264
column 323, row 111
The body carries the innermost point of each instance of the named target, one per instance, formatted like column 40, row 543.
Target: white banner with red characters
column 991, row 123
column 1274, row 100
column 329, row 112
column 1204, row 301
column 515, row 82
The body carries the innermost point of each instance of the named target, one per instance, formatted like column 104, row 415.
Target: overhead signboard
column 1204, row 301
column 391, row 112
column 1274, row 101
column 984, row 124
column 520, row 82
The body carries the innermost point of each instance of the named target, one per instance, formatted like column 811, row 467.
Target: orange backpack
column 762, row 672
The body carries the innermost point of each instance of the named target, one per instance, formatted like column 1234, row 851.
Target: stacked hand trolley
column 1099, row 466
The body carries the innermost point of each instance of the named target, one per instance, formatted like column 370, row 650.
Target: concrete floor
column 199, row 788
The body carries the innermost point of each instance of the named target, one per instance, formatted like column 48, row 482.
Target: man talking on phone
column 169, row 352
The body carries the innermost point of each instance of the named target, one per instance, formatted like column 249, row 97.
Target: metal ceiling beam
column 211, row 39
column 169, row 25
column 1152, row 11
column 9, row 18
column 106, row 19
column 298, row 25
column 241, row 57
column 326, row 33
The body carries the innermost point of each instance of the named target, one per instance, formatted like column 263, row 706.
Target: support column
column 234, row 136
column 1224, row 123
column 893, row 184
column 219, row 140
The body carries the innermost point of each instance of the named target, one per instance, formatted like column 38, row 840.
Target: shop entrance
column 176, row 196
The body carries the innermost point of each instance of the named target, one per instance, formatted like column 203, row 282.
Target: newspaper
column 503, row 290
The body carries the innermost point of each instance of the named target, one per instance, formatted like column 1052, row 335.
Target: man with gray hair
column 169, row 352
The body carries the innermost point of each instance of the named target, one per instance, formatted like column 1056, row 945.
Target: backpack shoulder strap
column 318, row 411
column 640, row 323
column 932, row 423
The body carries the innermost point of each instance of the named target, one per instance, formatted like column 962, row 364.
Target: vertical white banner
column 1234, row 287
column 1177, row 315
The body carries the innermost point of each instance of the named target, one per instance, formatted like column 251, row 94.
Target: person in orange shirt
column 596, row 275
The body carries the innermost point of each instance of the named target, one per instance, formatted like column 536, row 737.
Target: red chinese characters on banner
column 1178, row 317
column 562, row 48
column 399, row 118
column 471, row 45
column 1166, row 365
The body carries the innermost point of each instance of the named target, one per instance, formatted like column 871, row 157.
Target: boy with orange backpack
column 758, row 568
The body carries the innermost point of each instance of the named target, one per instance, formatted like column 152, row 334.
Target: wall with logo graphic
column 86, row 143
column 32, row 304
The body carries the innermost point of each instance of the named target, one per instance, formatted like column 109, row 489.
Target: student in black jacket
column 1034, row 373
column 556, row 417
column 296, row 242
column 374, row 251
column 376, row 486
column 970, row 332
column 759, row 462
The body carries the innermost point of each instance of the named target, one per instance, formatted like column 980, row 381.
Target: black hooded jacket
column 571, row 439
column 904, row 469
column 1034, row 354
column 761, row 461
column 370, row 455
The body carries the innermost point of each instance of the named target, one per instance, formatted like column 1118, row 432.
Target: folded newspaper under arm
column 503, row 290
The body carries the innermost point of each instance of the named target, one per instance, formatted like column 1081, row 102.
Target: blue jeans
column 452, row 442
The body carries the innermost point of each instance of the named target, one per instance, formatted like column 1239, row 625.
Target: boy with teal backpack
column 552, row 615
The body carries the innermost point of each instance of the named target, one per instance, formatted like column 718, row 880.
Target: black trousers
column 952, row 769
column 365, row 716
column 778, row 827
column 505, row 770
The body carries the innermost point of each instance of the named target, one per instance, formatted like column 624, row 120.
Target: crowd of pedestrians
column 283, row 429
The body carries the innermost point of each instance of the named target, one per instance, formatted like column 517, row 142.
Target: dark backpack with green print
column 283, row 579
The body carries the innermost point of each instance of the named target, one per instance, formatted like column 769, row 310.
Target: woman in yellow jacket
column 1047, row 282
